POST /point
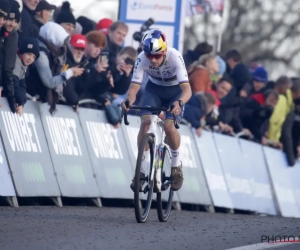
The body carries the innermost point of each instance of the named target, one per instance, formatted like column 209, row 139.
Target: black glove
column 12, row 103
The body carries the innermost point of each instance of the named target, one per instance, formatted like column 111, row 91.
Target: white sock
column 175, row 157
column 145, row 162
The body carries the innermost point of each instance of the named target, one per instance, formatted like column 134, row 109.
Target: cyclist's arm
column 183, row 79
column 137, row 78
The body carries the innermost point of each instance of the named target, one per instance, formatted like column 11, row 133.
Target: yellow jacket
column 282, row 108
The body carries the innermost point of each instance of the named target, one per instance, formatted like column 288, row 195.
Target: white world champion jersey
column 171, row 72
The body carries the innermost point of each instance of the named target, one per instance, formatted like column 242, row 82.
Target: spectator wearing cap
column 238, row 71
column 66, row 18
column 103, row 25
column 43, row 13
column 4, row 11
column 28, row 28
column 72, row 90
column 48, row 75
column 9, row 45
column 28, row 52
column 193, row 55
column 283, row 107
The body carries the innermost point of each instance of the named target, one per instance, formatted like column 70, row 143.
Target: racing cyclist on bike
column 168, row 84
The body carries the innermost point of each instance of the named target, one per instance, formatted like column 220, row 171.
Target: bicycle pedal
column 146, row 190
column 164, row 187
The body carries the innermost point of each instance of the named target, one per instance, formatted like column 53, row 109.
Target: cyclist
column 168, row 84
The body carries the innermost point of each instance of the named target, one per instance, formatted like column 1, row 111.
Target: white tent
column 93, row 9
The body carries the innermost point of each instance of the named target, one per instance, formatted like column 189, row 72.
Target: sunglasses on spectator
column 156, row 56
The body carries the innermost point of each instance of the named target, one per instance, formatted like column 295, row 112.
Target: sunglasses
column 156, row 56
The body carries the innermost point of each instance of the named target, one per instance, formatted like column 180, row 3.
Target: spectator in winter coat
column 47, row 74
column 8, row 50
column 43, row 13
column 256, row 112
column 66, row 18
column 193, row 55
column 28, row 28
column 28, row 52
column 283, row 107
column 290, row 135
column 200, row 73
column 75, row 52
column 239, row 72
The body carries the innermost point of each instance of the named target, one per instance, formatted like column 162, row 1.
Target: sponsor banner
column 68, row 152
column 294, row 173
column 236, row 172
column 195, row 7
column 6, row 184
column 194, row 189
column 259, row 179
column 282, row 183
column 108, row 152
column 169, row 16
column 130, row 134
column 213, row 170
column 27, row 151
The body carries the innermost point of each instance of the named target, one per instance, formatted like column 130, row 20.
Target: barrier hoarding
column 27, row 152
column 194, row 189
column 294, row 173
column 260, row 182
column 281, row 181
column 236, row 172
column 108, row 152
column 213, row 170
column 68, row 152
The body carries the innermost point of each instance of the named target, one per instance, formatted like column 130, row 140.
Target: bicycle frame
column 159, row 151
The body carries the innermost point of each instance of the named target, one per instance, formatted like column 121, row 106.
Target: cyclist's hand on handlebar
column 126, row 104
column 176, row 108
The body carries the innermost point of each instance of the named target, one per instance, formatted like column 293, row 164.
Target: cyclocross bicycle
column 157, row 177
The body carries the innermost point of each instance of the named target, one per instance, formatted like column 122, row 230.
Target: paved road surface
column 85, row 228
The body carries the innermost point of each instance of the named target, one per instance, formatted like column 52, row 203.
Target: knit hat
column 86, row 24
column 222, row 66
column 78, row 41
column 65, row 15
column 104, row 24
column 4, row 8
column 14, row 11
column 260, row 75
column 30, row 45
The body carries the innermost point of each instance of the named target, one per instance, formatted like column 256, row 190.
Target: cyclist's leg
column 149, row 99
column 173, row 140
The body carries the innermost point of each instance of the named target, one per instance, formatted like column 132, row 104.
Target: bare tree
column 266, row 31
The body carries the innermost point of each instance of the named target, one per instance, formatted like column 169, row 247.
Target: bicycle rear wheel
column 165, row 197
column 143, row 199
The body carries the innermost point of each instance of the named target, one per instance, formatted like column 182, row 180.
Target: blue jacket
column 193, row 112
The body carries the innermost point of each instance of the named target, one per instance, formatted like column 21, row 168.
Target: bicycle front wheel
column 143, row 187
column 165, row 197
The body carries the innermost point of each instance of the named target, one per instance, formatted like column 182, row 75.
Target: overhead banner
column 27, row 151
column 169, row 16
column 213, row 170
column 69, row 153
column 109, row 154
column 195, row 7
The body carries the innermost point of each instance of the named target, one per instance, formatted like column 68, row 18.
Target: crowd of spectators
column 60, row 59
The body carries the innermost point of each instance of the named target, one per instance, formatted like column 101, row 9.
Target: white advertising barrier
column 294, row 173
column 169, row 16
column 213, row 170
column 282, row 184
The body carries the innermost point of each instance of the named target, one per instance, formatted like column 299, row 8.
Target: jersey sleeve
column 181, row 73
column 138, row 70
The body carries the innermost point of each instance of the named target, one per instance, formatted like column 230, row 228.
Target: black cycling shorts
column 161, row 96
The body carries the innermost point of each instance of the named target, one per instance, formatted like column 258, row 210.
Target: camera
column 138, row 35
